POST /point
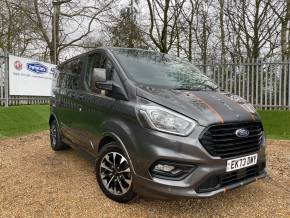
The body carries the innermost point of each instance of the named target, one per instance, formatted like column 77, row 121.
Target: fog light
column 166, row 168
column 169, row 170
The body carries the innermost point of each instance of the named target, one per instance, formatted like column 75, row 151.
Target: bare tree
column 203, row 29
column 64, row 23
column 195, row 29
column 222, row 30
column 15, row 32
column 188, row 20
column 255, row 25
column 163, row 22
column 282, row 9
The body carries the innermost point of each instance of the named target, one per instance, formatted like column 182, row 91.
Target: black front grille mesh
column 226, row 179
column 221, row 140
column 230, row 178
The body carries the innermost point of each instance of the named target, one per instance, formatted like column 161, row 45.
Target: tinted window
column 70, row 74
column 157, row 69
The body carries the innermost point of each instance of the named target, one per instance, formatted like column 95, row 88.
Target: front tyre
column 114, row 174
column 55, row 137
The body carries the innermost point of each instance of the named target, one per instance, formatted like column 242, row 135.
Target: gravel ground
column 37, row 182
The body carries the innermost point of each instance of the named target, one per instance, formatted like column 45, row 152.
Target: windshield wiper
column 206, row 88
column 187, row 89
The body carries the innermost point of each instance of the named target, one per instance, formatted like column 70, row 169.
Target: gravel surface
column 37, row 182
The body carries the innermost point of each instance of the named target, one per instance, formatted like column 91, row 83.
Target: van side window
column 72, row 72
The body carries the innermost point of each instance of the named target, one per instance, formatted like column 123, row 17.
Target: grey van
column 154, row 125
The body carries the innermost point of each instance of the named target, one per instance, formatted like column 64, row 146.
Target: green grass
column 276, row 124
column 20, row 120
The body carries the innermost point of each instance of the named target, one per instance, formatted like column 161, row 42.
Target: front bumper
column 152, row 146
column 152, row 189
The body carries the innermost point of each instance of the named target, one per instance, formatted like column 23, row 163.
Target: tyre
column 114, row 175
column 55, row 137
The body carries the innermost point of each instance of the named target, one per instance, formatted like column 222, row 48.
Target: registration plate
column 241, row 162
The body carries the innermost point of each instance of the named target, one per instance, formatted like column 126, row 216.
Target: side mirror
column 112, row 89
column 99, row 79
column 99, row 74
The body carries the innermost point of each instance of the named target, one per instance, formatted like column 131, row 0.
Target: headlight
column 164, row 120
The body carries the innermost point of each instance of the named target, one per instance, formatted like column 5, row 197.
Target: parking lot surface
column 38, row 182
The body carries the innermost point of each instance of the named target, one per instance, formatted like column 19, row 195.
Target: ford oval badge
column 242, row 133
column 36, row 68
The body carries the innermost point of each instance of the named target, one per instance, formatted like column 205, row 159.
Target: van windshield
column 161, row 70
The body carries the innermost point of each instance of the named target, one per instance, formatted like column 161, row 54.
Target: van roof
column 101, row 48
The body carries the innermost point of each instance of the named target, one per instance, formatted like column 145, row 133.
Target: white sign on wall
column 29, row 77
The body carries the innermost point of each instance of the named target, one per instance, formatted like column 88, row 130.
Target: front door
column 96, row 104
column 69, row 79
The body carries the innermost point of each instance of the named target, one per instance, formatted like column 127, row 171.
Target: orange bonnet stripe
column 211, row 109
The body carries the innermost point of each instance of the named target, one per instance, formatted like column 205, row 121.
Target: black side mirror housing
column 104, row 85
column 114, row 90
column 100, row 82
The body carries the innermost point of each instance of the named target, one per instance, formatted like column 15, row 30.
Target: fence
column 5, row 98
column 265, row 84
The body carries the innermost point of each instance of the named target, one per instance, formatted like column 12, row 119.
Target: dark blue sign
column 36, row 68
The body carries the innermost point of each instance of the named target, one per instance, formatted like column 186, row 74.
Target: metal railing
column 265, row 84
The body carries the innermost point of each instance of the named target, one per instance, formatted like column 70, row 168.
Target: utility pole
column 55, row 30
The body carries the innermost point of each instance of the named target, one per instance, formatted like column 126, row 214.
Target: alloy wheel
column 115, row 173
column 53, row 134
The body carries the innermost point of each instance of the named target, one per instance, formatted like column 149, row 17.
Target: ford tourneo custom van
column 155, row 125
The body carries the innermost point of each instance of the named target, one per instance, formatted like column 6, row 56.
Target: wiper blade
column 187, row 89
column 209, row 87
column 205, row 88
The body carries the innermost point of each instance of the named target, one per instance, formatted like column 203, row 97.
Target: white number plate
column 241, row 162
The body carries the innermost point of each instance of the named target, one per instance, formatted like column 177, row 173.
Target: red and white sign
column 18, row 65
column 29, row 77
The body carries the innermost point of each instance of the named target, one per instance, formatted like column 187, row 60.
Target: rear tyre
column 114, row 175
column 55, row 137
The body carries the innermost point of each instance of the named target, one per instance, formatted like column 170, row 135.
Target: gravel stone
column 38, row 182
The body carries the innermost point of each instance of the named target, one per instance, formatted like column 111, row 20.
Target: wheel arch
column 108, row 137
column 51, row 118
column 54, row 117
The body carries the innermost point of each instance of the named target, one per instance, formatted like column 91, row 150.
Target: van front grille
column 221, row 140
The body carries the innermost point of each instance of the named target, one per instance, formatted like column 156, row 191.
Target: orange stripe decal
column 210, row 108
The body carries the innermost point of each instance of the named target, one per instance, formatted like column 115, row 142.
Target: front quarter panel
column 121, row 125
